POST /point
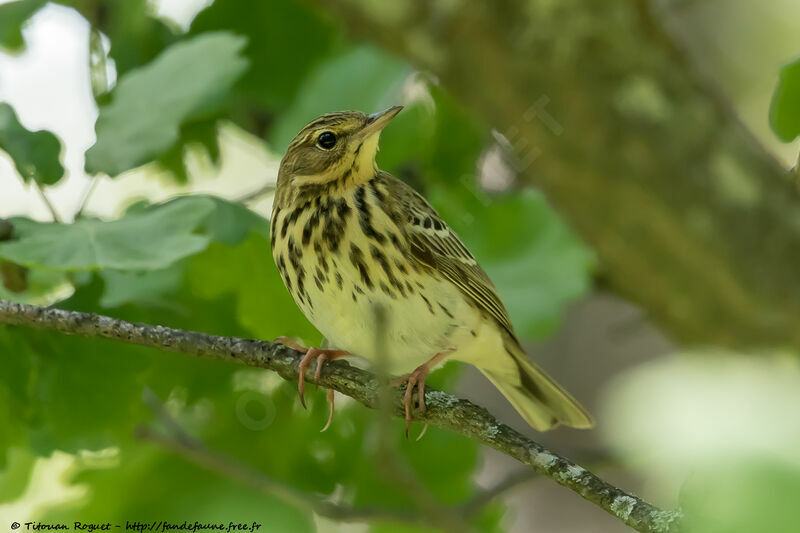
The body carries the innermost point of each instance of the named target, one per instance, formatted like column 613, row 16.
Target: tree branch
column 443, row 410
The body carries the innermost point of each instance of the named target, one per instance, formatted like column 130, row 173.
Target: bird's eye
column 326, row 140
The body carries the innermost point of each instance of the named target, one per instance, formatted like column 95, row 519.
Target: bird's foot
column 320, row 356
column 417, row 379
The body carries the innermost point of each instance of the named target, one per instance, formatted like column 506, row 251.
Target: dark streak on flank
column 365, row 216
column 320, row 275
column 386, row 290
column 387, row 268
column 335, row 224
column 321, row 257
column 428, row 303
column 311, row 225
column 357, row 258
column 339, row 280
column 395, row 241
column 272, row 231
column 292, row 217
column 446, row 311
column 378, row 194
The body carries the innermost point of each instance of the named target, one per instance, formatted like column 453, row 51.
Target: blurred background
column 192, row 102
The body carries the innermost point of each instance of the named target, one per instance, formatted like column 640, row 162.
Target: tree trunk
column 689, row 215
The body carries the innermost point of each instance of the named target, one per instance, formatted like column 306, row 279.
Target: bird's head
column 334, row 150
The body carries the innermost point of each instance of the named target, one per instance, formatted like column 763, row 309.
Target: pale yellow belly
column 415, row 329
column 425, row 313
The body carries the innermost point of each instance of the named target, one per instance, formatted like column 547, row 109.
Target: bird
column 347, row 237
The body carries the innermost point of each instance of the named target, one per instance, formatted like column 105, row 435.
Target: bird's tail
column 542, row 402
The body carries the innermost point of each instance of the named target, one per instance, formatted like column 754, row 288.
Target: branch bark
column 443, row 410
column 690, row 217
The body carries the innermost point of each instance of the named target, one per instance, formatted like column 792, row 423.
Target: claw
column 417, row 378
column 412, row 380
column 329, row 397
column 320, row 356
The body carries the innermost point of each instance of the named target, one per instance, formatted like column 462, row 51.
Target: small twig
column 46, row 200
column 232, row 469
column 86, row 195
column 480, row 500
column 258, row 193
column 443, row 410
column 178, row 441
column 446, row 519
column 170, row 424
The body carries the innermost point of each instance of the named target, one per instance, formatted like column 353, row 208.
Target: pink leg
column 312, row 354
column 417, row 377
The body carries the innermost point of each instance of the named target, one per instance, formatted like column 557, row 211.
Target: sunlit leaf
column 149, row 240
column 187, row 81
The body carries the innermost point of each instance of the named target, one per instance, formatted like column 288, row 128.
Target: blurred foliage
column 784, row 114
column 742, row 496
column 35, row 154
column 720, row 429
column 203, row 263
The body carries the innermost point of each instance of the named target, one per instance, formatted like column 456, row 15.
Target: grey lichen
column 665, row 521
column 544, row 460
column 623, row 506
column 436, row 397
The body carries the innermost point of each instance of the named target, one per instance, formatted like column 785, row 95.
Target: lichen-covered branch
column 443, row 410
column 689, row 215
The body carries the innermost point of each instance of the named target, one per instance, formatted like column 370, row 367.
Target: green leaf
column 254, row 280
column 188, row 81
column 784, row 113
column 142, row 241
column 229, row 223
column 35, row 154
column 273, row 29
column 12, row 16
column 363, row 79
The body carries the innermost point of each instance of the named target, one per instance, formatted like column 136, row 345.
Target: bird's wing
column 437, row 246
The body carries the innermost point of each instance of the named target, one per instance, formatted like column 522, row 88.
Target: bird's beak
column 377, row 121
